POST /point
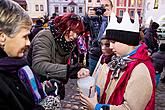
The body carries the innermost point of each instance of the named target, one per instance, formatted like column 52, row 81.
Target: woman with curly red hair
column 51, row 48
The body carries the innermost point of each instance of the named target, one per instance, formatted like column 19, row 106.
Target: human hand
column 90, row 103
column 83, row 73
column 73, row 69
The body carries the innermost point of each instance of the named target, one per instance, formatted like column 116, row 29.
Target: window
column 56, row 9
column 98, row 1
column 139, row 13
column 64, row 9
column 132, row 3
column 121, row 13
column 156, row 4
column 139, row 3
column 121, row 2
column 72, row 9
column 132, row 13
column 41, row 7
column 148, row 6
column 89, row 0
column 80, row 9
column 37, row 7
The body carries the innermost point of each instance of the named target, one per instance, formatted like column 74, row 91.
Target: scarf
column 59, row 38
column 106, row 59
column 118, row 64
column 19, row 68
column 141, row 56
column 11, row 65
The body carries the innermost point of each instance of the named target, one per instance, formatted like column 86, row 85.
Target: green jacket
column 47, row 58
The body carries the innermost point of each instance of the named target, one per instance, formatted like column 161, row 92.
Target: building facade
column 22, row 3
column 120, row 6
column 64, row 6
column 154, row 10
column 37, row 8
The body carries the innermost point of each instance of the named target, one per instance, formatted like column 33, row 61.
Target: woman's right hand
column 83, row 72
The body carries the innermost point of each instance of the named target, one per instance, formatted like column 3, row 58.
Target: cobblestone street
column 71, row 101
column 160, row 97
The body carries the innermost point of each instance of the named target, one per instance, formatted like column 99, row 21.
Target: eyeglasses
column 75, row 17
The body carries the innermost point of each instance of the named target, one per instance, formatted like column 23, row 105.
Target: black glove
column 72, row 70
column 54, row 87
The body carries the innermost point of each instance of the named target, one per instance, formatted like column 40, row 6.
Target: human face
column 70, row 36
column 16, row 45
column 107, row 5
column 105, row 47
column 91, row 12
column 120, row 49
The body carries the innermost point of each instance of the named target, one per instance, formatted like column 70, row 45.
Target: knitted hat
column 125, row 32
column 105, row 36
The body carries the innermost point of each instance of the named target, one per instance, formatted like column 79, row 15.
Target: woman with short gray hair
column 16, row 91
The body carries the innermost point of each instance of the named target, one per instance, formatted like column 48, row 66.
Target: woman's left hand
column 89, row 102
column 83, row 72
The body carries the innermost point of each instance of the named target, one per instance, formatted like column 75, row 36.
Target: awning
column 21, row 2
column 72, row 3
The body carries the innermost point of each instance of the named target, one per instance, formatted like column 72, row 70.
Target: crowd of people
column 37, row 62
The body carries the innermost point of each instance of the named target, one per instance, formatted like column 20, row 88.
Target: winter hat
column 162, row 47
column 39, row 22
column 126, row 32
column 154, row 25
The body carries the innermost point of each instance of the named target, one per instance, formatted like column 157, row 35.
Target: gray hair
column 13, row 17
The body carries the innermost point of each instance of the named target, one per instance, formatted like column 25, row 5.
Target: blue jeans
column 92, row 65
column 157, row 79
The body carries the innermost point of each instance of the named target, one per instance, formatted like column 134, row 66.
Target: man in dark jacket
column 151, row 37
column 158, row 59
column 97, row 23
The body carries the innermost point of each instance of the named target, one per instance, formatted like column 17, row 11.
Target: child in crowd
column 130, row 82
column 101, row 69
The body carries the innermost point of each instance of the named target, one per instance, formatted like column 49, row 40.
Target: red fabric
column 69, row 62
column 117, row 96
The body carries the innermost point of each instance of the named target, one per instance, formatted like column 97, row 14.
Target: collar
column 132, row 52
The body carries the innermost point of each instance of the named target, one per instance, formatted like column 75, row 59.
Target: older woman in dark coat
column 15, row 26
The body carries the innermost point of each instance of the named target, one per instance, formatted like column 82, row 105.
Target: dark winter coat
column 96, row 25
column 13, row 94
column 150, row 39
column 158, row 59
